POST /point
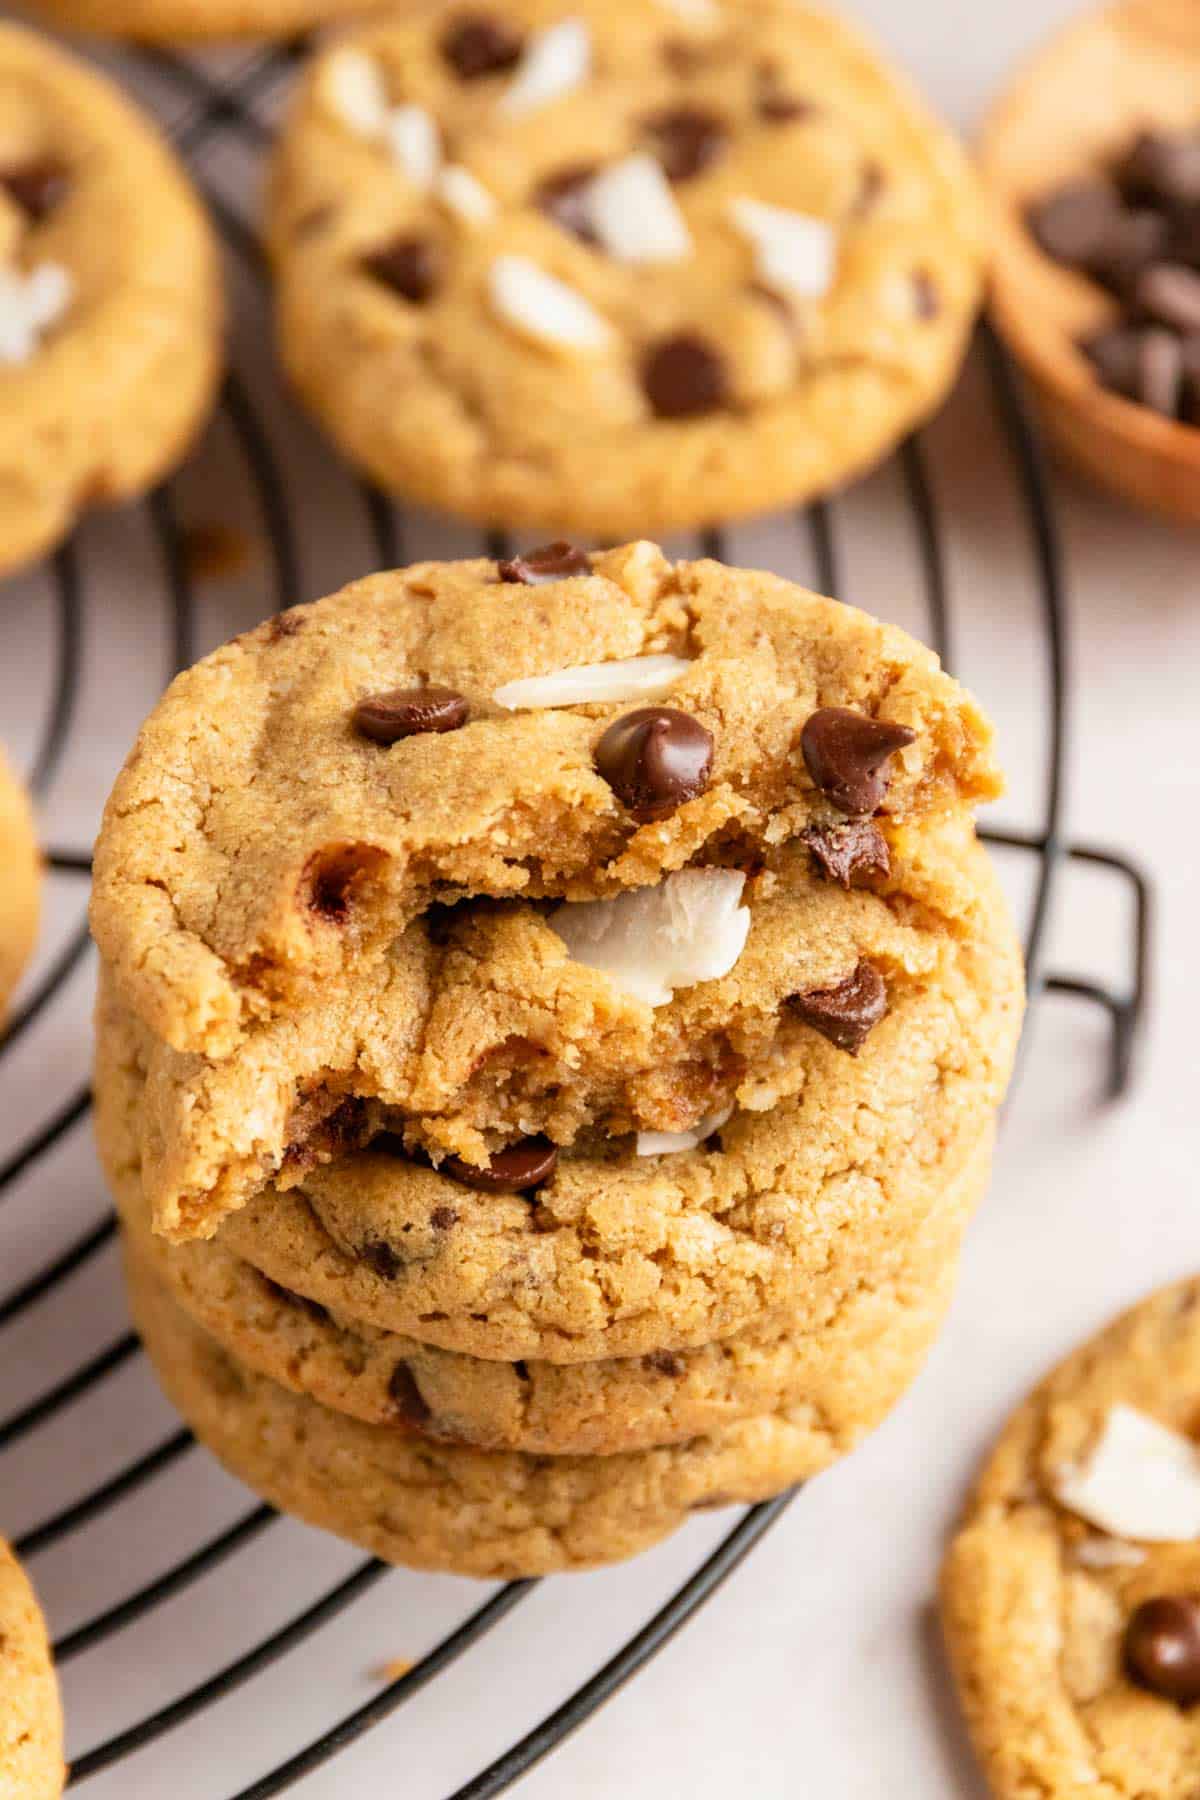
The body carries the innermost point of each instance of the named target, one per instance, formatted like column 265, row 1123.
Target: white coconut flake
column 690, row 927
column 669, row 1143
column 353, row 90
column 1141, row 1480
column 555, row 62
column 543, row 308
column 634, row 678
column 632, row 211
column 29, row 305
column 1108, row 1553
column 412, row 136
column 465, row 195
column 792, row 250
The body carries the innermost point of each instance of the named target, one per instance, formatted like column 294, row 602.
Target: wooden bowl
column 1076, row 105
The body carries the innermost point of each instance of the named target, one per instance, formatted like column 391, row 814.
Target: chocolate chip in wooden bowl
column 410, row 266
column 1141, row 363
column 1134, row 240
column 1169, row 294
column 684, row 376
column 563, row 197
column 846, row 853
column 687, row 140
column 848, row 1013
column 514, row 1170
column 476, row 44
column 37, row 187
column 404, row 1394
column 1161, row 1647
column 1072, row 223
column 558, row 561
column 410, row 712
column 654, row 760
column 1162, row 167
column 847, row 753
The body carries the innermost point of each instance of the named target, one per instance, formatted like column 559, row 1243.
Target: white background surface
column 815, row 1670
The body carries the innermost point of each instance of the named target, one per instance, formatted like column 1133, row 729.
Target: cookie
column 110, row 303
column 492, row 1514
column 842, row 1365
column 618, row 266
column 20, row 892
column 616, row 1254
column 270, row 833
column 31, row 1732
column 191, row 21
column 1070, row 1594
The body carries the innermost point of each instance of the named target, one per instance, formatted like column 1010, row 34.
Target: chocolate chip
column 1182, row 236
column 1071, row 224
column 848, row 1013
column 443, row 1217
column 296, row 1302
column 687, row 140
column 333, row 878
column 550, row 562
column 684, row 376
column 381, row 1258
column 1162, row 166
column 654, row 760
column 521, row 1371
column 778, row 108
column 36, row 187
column 1162, row 1647
column 511, row 1171
column 406, row 1397
column 1133, row 241
column 563, row 198
column 408, row 712
column 1146, row 364
column 845, row 852
column 1170, row 294
column 411, row 267
column 871, row 184
column 477, row 44
column 322, row 1127
column 664, row 1362
column 846, row 754
column 927, row 298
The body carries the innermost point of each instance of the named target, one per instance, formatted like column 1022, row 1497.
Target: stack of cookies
column 552, row 1020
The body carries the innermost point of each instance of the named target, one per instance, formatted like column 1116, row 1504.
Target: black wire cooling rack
column 209, row 102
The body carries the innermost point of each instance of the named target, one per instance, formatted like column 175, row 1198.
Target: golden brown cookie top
column 31, row 1760
column 263, row 838
column 626, row 264
column 21, row 888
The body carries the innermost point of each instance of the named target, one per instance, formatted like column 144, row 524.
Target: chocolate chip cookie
column 110, row 304
column 619, row 265
column 31, row 1733
column 1071, row 1594
column 20, row 890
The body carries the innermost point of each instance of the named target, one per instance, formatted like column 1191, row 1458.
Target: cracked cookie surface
column 20, row 892
column 31, row 1735
column 110, row 301
column 1038, row 1602
column 618, row 265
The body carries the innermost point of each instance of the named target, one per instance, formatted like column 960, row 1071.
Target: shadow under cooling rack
column 211, row 107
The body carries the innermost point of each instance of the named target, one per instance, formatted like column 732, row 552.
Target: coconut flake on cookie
column 633, row 678
column 30, row 304
column 1140, row 1480
column 793, row 251
column 543, row 308
column 557, row 61
column 631, row 209
column 670, row 1143
column 689, row 928
column 465, row 195
column 412, row 136
column 353, row 90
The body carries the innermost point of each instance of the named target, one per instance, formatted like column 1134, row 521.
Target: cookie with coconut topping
column 618, row 265
column 31, row 1728
column 557, row 727
column 1071, row 1592
column 110, row 308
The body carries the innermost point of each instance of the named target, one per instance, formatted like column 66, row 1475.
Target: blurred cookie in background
column 20, row 891
column 31, row 1733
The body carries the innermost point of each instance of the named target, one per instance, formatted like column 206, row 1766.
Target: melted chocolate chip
column 1162, row 1647
column 563, row 198
column 521, row 1371
column 477, row 44
column 848, row 1013
column 36, row 187
column 381, row 1258
column 687, row 140
column 443, row 1217
column 654, row 760
column 551, row 562
column 927, row 298
column 335, row 876
column 846, row 753
column 664, row 1362
column 511, row 1171
column 684, row 376
column 410, row 267
column 408, row 712
column 407, row 1399
column 843, row 853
